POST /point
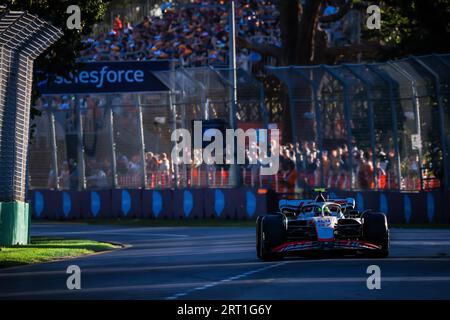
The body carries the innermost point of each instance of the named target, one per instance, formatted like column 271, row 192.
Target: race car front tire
column 375, row 230
column 272, row 233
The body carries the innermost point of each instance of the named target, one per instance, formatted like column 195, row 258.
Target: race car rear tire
column 375, row 230
column 272, row 234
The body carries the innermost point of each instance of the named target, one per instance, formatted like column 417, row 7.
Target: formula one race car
column 314, row 226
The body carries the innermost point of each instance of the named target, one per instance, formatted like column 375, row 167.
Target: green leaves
column 60, row 59
column 414, row 26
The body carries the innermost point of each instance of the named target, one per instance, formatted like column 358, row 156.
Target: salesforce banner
column 109, row 77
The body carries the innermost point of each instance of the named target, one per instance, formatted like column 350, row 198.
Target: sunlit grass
column 42, row 249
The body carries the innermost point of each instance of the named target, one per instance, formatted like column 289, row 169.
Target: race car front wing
column 325, row 245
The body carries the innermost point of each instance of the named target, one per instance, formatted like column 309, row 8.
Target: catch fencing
column 371, row 126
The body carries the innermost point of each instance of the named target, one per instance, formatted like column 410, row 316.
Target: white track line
column 216, row 283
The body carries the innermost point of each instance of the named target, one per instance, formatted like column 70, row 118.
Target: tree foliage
column 303, row 40
column 414, row 27
column 408, row 27
column 60, row 58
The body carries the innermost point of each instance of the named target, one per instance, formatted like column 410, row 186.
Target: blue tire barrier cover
column 431, row 206
column 37, row 204
column 250, row 203
column 71, row 204
column 407, row 208
column 44, row 204
column 126, row 203
column 163, row 204
column 220, row 203
column 157, row 204
column 66, row 204
column 96, row 204
column 239, row 203
column 360, row 201
column 188, row 203
column 152, row 204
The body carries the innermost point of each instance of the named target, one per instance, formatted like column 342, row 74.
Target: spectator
column 164, row 169
column 118, row 26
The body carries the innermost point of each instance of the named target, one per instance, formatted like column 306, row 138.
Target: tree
column 414, row 27
column 407, row 27
column 303, row 41
column 60, row 58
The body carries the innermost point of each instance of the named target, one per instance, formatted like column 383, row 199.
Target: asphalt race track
column 220, row 263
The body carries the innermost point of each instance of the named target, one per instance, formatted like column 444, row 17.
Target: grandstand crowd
column 195, row 34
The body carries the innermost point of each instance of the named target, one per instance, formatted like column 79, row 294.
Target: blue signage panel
column 109, row 77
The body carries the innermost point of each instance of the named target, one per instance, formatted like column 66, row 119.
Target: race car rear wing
column 347, row 203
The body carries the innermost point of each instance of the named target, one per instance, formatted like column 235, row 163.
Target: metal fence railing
column 371, row 126
column 103, row 141
column 354, row 126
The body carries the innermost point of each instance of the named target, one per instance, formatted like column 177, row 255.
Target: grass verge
column 43, row 249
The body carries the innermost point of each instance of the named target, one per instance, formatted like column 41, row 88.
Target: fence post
column 51, row 122
column 142, row 143
column 110, row 124
column 81, row 165
column 174, row 127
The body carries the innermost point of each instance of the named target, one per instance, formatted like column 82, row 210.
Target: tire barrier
column 405, row 207
column 95, row 204
column 206, row 203
column 221, row 203
column 188, row 204
column 126, row 203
